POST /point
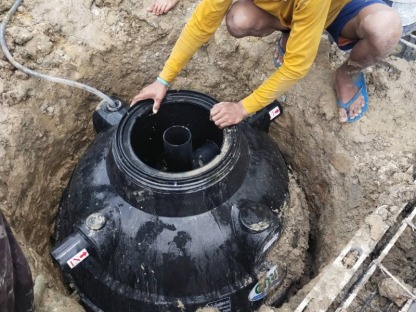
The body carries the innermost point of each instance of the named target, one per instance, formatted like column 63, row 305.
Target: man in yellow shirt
column 370, row 27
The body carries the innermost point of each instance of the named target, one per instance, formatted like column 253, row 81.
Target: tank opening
column 147, row 142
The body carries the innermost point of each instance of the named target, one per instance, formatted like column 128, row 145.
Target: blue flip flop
column 359, row 82
column 280, row 51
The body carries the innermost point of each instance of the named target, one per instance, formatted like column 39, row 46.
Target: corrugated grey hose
column 71, row 83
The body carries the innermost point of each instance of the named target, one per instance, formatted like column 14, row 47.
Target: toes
column 356, row 108
column 342, row 115
column 165, row 9
column 354, row 113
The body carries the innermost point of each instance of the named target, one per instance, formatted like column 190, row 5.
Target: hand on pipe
column 226, row 114
column 155, row 91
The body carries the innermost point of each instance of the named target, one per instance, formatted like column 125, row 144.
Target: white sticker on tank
column 274, row 113
column 78, row 258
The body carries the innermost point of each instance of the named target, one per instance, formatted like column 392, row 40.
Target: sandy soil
column 346, row 171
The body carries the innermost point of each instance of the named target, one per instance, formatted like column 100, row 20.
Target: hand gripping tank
column 160, row 219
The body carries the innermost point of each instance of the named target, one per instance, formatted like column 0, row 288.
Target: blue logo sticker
column 263, row 287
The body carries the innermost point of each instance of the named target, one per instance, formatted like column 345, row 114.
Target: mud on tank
column 160, row 219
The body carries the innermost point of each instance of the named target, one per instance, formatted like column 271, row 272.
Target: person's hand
column 155, row 91
column 226, row 114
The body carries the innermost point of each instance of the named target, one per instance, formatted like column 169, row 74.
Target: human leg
column 376, row 30
column 244, row 18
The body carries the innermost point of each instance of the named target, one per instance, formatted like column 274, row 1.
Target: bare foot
column 160, row 7
column 345, row 89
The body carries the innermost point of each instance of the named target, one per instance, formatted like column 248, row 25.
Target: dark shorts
column 349, row 11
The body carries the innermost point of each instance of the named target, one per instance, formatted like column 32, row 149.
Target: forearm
column 269, row 91
column 203, row 23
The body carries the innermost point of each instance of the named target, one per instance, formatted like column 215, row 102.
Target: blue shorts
column 349, row 11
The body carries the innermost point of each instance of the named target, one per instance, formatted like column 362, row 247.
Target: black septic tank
column 167, row 212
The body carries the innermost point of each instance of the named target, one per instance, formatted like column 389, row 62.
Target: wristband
column 164, row 82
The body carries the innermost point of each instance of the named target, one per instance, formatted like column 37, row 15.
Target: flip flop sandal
column 359, row 82
column 279, row 54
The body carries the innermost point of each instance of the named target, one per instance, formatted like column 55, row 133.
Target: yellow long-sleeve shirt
column 306, row 18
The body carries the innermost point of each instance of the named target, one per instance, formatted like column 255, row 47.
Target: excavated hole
column 340, row 173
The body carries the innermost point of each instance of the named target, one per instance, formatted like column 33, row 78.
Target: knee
column 383, row 30
column 237, row 20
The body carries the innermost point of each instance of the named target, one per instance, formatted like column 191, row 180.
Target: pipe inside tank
column 177, row 143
